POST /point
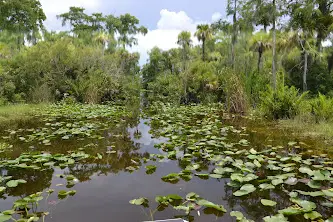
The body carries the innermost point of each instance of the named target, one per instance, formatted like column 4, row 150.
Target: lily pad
column 209, row 204
column 139, row 201
column 15, row 183
column 244, row 190
column 276, row 218
column 312, row 215
column 268, row 202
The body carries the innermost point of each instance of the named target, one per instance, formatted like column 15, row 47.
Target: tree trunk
column 234, row 37
column 184, row 60
column 203, row 50
column 305, row 72
column 274, row 46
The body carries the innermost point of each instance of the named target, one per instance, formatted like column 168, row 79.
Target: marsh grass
column 306, row 127
column 18, row 113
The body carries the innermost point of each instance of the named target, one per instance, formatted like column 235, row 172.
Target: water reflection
column 106, row 185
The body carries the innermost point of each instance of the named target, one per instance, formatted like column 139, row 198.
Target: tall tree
column 204, row 32
column 128, row 28
column 76, row 19
column 184, row 41
column 274, row 44
column 302, row 20
column 22, row 17
column 232, row 9
column 324, row 20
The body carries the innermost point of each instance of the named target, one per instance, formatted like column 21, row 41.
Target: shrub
column 234, row 92
column 322, row 108
column 282, row 103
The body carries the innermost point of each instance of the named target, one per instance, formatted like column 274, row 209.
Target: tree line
column 265, row 43
column 89, row 62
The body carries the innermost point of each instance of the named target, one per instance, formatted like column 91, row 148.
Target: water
column 105, row 186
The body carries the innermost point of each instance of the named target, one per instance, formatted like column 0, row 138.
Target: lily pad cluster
column 201, row 142
column 192, row 202
column 61, row 121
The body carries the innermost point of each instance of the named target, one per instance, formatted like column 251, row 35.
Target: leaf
column 329, row 219
column 306, row 170
column 208, row 204
column 266, row 186
column 14, row 183
column 174, row 197
column 268, row 202
column 305, row 204
column 276, row 182
column 312, row 194
column 99, row 156
column 244, row 190
column 2, row 189
column 321, row 175
column 328, row 192
column 202, row 175
column 4, row 217
column 314, row 184
column 312, row 215
column 139, row 201
column 291, row 211
column 239, row 215
column 276, row 218
column 217, row 176
column 192, row 196
column 150, row 169
column 291, row 181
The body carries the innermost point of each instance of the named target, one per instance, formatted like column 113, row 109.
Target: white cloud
column 216, row 16
column 166, row 34
column 175, row 21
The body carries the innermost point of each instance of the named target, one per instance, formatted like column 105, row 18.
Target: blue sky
column 164, row 18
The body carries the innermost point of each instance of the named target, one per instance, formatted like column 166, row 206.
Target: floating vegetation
column 198, row 139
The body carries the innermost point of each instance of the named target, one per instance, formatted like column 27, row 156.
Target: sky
column 165, row 19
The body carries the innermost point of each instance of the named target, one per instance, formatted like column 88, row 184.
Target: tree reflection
column 37, row 180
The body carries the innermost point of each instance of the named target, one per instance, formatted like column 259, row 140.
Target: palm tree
column 204, row 32
column 185, row 41
column 102, row 38
column 260, row 42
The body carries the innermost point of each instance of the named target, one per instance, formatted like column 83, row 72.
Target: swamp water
column 87, row 163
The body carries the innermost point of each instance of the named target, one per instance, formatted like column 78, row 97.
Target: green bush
column 234, row 92
column 284, row 102
column 49, row 70
column 322, row 108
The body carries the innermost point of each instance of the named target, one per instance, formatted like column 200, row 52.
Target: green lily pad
column 15, row 183
column 4, row 217
column 266, row 186
column 268, row 202
column 139, row 201
column 244, row 190
column 239, row 215
column 291, row 211
column 276, row 218
column 312, row 215
column 209, row 204
column 216, row 176
column 314, row 184
column 150, row 169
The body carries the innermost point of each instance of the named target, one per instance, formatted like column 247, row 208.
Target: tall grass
column 18, row 113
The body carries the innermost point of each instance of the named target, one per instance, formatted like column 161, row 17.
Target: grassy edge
column 19, row 112
column 321, row 130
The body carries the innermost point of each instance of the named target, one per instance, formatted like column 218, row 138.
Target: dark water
column 105, row 186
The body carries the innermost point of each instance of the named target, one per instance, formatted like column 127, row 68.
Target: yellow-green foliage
column 16, row 113
column 282, row 103
column 322, row 108
column 48, row 70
